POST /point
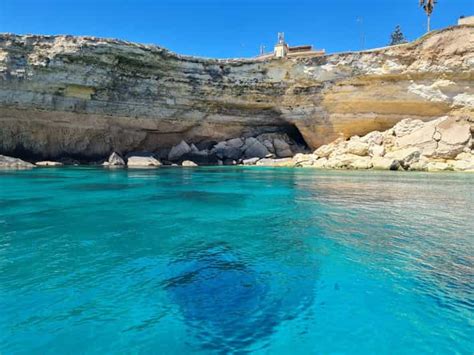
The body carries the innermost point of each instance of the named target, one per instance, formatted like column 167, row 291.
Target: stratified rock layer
column 87, row 97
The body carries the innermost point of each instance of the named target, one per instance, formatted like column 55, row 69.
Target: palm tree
column 428, row 6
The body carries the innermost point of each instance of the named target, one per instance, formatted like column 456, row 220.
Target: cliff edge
column 86, row 97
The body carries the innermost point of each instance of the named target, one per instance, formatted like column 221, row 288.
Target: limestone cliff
column 84, row 96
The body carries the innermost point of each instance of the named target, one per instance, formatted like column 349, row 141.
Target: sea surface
column 235, row 260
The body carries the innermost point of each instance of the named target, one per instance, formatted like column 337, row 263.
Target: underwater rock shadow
column 229, row 305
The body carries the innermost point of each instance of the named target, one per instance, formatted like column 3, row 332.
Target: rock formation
column 445, row 143
column 15, row 163
column 84, row 97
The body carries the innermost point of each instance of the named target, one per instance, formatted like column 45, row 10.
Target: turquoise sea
column 235, row 260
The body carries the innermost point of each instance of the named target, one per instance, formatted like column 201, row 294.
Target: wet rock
column 14, row 163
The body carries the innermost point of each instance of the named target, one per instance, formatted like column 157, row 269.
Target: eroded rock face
column 84, row 97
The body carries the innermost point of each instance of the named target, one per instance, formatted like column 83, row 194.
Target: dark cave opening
column 294, row 133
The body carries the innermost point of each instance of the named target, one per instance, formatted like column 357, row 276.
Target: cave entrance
column 294, row 134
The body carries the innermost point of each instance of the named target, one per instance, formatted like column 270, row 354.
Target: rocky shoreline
column 84, row 97
column 443, row 144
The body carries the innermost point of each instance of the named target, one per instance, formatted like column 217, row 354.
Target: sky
column 231, row 28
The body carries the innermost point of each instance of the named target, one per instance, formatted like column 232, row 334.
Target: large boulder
column 253, row 148
column 421, row 137
column 178, row 151
column 235, row 143
column 114, row 160
column 443, row 138
column 282, row 148
column 15, row 163
column 142, row 160
column 454, row 136
column 225, row 151
column 357, row 147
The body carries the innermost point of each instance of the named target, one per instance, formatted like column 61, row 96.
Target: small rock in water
column 47, row 163
column 114, row 160
column 142, row 160
column 188, row 163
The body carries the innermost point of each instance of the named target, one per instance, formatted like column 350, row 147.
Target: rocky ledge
column 81, row 98
column 440, row 145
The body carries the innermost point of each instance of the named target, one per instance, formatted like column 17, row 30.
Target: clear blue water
column 235, row 260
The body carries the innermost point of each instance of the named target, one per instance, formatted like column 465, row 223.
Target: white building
column 466, row 20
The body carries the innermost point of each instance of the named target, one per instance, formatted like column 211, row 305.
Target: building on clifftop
column 283, row 50
column 466, row 20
